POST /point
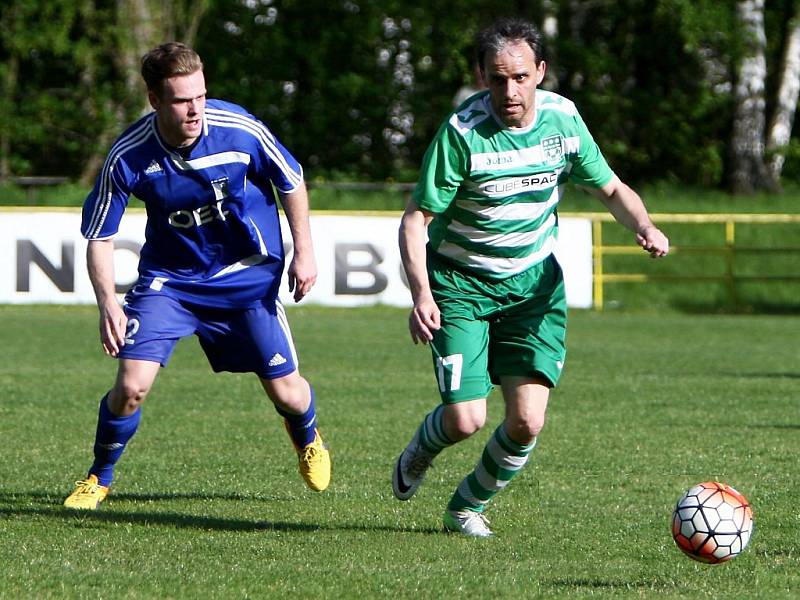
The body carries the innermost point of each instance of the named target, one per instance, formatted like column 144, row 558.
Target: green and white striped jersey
column 494, row 190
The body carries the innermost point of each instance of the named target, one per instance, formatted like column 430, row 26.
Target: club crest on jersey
column 220, row 188
column 553, row 149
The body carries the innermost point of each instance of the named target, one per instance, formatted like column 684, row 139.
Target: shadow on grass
column 17, row 505
column 761, row 375
column 583, row 583
column 758, row 308
column 47, row 498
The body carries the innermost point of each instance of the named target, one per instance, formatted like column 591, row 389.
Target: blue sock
column 301, row 428
column 113, row 434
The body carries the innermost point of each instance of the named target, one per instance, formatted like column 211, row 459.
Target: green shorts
column 515, row 326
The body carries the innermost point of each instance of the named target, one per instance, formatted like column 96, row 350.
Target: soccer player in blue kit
column 211, row 263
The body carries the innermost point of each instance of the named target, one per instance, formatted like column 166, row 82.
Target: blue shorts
column 252, row 340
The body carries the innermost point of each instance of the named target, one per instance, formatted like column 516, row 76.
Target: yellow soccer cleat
column 315, row 464
column 88, row 494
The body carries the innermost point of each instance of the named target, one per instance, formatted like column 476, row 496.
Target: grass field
column 208, row 503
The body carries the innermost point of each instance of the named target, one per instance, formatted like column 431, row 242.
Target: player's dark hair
column 506, row 31
column 168, row 60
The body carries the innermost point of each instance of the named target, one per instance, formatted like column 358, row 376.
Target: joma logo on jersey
column 497, row 160
column 553, row 148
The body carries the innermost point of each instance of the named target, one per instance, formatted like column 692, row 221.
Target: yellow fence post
column 597, row 267
column 730, row 254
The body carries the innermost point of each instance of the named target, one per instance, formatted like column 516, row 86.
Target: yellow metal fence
column 729, row 249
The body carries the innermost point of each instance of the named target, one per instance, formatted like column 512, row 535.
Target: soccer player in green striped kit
column 477, row 239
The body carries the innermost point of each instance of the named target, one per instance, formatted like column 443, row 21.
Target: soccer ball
column 712, row 522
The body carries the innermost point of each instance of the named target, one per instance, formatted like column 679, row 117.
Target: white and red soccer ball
column 712, row 522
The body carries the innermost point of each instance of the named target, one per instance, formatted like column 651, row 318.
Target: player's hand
column 113, row 323
column 653, row 240
column 425, row 318
column 302, row 274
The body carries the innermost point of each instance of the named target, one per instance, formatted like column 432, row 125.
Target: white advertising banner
column 44, row 259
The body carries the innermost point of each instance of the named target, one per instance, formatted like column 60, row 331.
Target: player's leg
column 155, row 323
column 119, row 415
column 259, row 340
column 526, row 407
column 459, row 351
column 526, row 356
column 507, row 451
column 117, row 421
column 294, row 399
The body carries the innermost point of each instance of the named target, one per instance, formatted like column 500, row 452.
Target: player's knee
column 290, row 393
column 126, row 397
column 464, row 425
column 525, row 430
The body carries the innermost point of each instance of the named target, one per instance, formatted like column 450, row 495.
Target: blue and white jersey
column 213, row 233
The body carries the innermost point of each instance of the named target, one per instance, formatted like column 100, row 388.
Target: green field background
column 208, row 502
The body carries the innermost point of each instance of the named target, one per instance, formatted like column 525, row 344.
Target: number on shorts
column 130, row 330
column 454, row 361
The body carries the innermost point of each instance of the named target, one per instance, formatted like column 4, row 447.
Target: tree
column 672, row 90
column 749, row 169
column 780, row 127
column 33, row 40
column 140, row 26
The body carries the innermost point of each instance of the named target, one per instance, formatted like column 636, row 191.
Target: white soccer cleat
column 410, row 468
column 468, row 522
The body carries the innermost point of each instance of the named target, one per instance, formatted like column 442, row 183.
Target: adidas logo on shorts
column 276, row 360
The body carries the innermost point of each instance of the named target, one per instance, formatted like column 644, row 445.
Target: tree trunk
column 749, row 169
column 9, row 91
column 780, row 128
column 146, row 23
column 190, row 18
column 143, row 25
column 549, row 28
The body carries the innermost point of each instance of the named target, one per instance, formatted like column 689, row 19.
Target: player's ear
column 541, row 69
column 154, row 100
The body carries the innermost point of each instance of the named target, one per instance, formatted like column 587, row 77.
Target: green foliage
column 648, row 78
column 358, row 87
column 59, row 95
column 208, row 502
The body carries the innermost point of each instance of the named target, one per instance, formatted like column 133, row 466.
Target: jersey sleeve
column 444, row 168
column 273, row 161
column 106, row 203
column 589, row 167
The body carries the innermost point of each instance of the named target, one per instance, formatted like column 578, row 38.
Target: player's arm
column 100, row 263
column 425, row 317
column 302, row 270
column 628, row 209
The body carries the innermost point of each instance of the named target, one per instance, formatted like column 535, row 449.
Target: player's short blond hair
column 168, row 60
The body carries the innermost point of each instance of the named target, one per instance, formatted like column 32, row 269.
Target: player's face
column 512, row 76
column 180, row 107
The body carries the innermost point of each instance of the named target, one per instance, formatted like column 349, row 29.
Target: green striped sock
column 431, row 432
column 502, row 459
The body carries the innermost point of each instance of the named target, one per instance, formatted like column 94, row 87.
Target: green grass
column 659, row 197
column 208, row 503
